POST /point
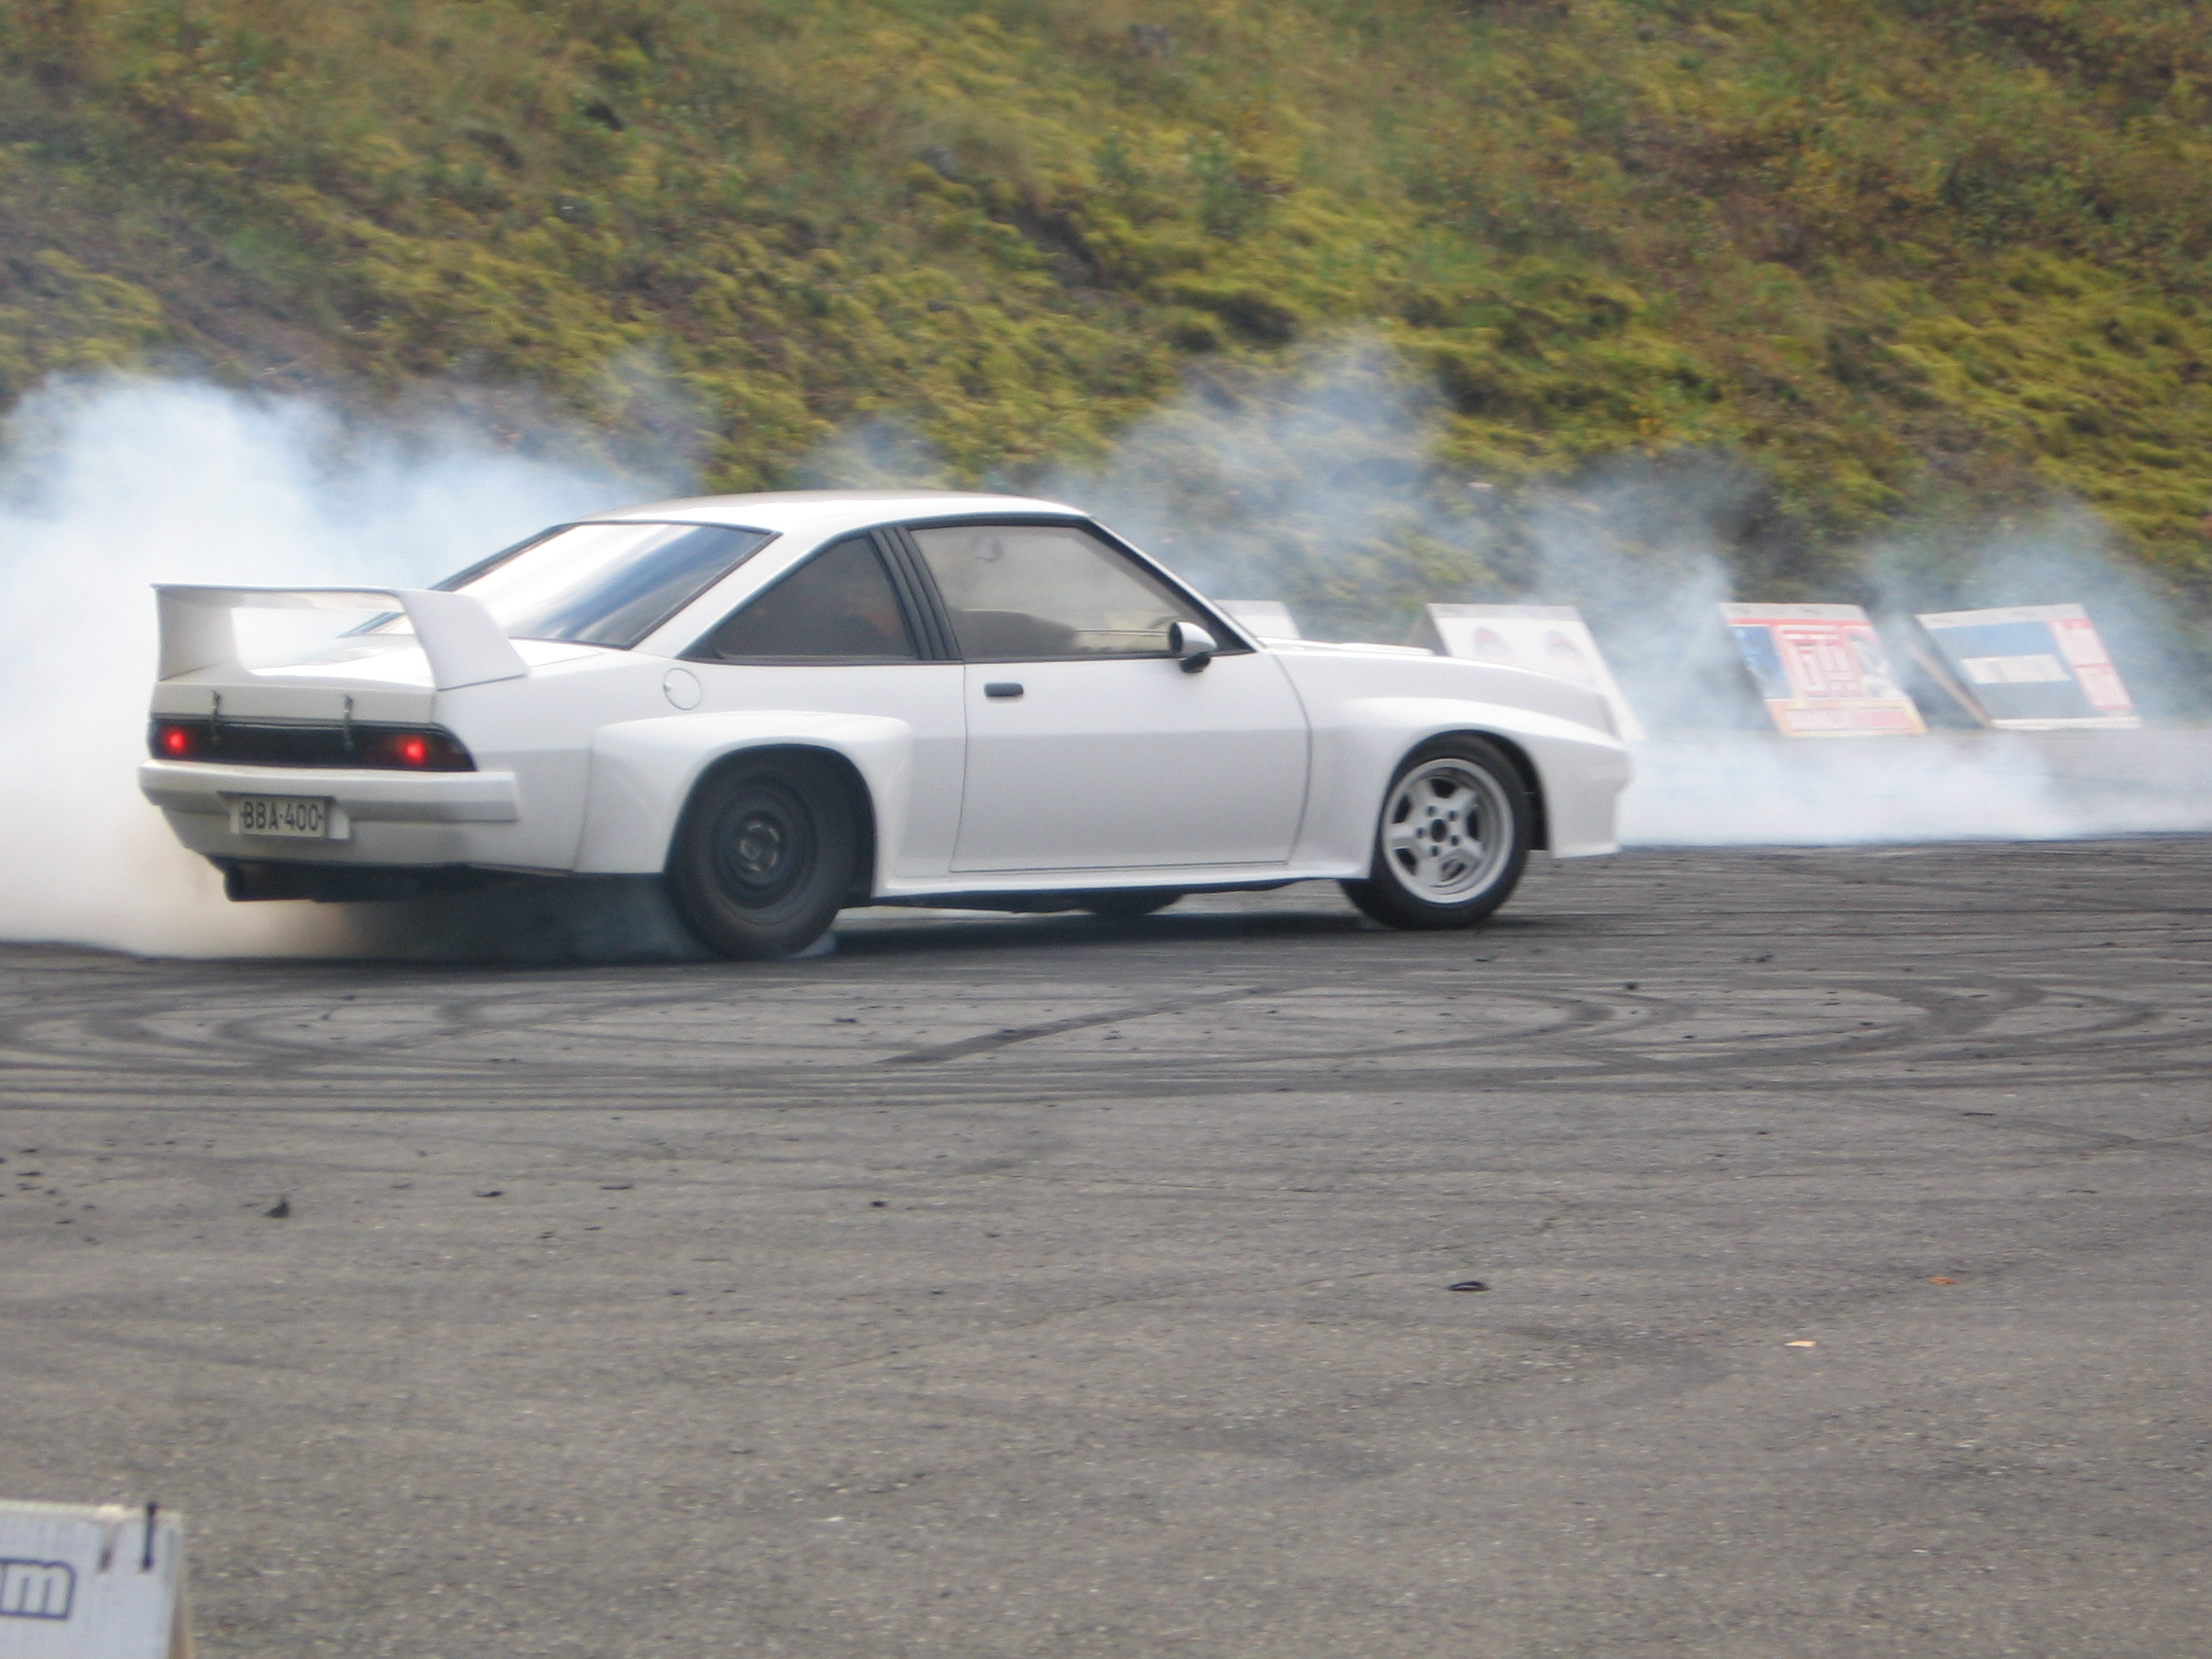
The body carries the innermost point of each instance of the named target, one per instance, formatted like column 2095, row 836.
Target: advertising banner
column 2032, row 667
column 1545, row 639
column 1822, row 671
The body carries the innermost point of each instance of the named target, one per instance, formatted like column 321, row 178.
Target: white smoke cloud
column 1739, row 789
column 1635, row 547
column 1313, row 485
column 109, row 486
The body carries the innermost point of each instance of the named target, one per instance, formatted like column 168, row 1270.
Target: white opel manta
column 785, row 704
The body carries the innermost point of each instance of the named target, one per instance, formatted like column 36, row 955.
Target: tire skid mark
column 77, row 1046
column 1014, row 1034
column 2077, row 1050
column 248, row 1039
column 1582, row 1013
column 806, row 1088
column 1066, row 1091
column 493, row 1082
column 1956, row 1006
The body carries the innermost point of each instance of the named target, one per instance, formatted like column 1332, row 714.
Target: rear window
column 601, row 584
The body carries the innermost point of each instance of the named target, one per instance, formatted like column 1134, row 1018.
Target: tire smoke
column 111, row 485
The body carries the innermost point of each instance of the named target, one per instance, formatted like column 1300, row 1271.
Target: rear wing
column 464, row 645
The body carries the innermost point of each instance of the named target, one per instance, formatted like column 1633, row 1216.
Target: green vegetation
column 1932, row 258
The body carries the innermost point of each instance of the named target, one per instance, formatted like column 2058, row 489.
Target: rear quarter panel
column 542, row 730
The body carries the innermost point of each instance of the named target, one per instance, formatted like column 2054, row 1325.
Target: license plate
column 296, row 817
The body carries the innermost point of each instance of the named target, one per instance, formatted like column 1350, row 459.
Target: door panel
column 1113, row 764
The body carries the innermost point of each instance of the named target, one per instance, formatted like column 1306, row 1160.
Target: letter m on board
column 36, row 1589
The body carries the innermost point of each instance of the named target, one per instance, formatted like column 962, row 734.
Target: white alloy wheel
column 1452, row 838
column 1447, row 831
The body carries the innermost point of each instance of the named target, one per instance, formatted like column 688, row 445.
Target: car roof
column 827, row 511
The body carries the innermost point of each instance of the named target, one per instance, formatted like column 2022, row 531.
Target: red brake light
column 175, row 741
column 418, row 752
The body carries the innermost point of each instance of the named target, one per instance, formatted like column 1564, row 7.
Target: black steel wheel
column 1452, row 838
column 765, row 855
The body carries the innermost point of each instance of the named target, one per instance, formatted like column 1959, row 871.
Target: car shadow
column 882, row 932
column 611, row 921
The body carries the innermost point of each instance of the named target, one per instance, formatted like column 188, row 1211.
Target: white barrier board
column 84, row 1583
column 1544, row 639
column 1270, row 619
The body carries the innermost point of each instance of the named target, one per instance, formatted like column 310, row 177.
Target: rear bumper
column 202, row 790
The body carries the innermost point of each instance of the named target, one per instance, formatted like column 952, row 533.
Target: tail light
column 427, row 750
column 178, row 740
column 349, row 745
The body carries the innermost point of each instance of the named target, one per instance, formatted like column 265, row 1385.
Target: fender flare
column 643, row 772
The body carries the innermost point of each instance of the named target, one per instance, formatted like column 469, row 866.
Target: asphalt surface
column 1045, row 1287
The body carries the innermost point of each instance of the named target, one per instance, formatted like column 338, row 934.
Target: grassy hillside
column 1896, row 259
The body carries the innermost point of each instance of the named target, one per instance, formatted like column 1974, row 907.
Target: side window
column 1027, row 592
column 839, row 606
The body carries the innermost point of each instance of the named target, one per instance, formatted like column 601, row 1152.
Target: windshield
column 601, row 584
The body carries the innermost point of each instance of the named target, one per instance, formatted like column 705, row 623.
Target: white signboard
column 1270, row 619
column 83, row 1583
column 1547, row 639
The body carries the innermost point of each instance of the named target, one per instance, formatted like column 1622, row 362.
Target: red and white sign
column 1822, row 671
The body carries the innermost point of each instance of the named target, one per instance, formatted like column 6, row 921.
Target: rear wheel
column 764, row 856
column 1452, row 839
column 1130, row 905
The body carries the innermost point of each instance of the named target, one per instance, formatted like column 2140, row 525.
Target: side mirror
column 1192, row 644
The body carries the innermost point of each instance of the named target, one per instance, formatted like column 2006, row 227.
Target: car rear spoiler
column 464, row 645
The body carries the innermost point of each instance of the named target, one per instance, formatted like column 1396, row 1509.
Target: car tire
column 1451, row 837
column 1130, row 905
column 764, row 856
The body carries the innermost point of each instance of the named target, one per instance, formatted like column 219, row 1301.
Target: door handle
column 1002, row 688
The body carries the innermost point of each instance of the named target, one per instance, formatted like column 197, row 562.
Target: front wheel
column 764, row 856
column 1452, row 839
